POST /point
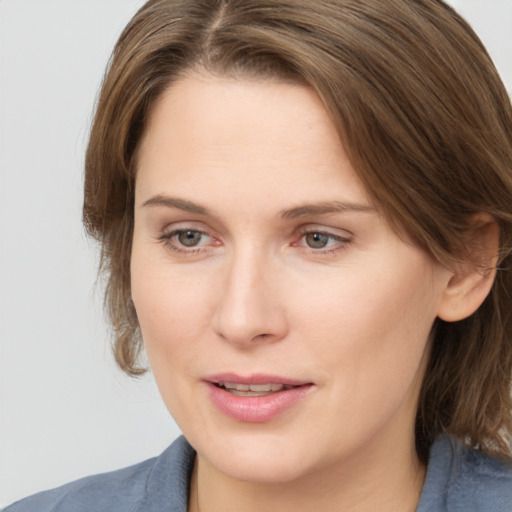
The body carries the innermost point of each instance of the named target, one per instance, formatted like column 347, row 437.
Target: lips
column 255, row 399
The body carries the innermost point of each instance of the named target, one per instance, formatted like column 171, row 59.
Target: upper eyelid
column 197, row 226
column 333, row 231
column 340, row 238
column 173, row 232
column 192, row 225
column 302, row 230
column 180, row 230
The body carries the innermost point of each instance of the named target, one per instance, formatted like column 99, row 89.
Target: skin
column 353, row 317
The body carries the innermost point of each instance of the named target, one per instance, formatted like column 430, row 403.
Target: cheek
column 371, row 332
column 172, row 322
column 169, row 309
column 163, row 301
column 369, row 305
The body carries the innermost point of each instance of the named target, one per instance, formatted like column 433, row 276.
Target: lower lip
column 256, row 409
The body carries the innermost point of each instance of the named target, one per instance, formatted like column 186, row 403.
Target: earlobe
column 472, row 281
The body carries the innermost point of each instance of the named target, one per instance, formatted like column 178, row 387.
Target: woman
column 305, row 214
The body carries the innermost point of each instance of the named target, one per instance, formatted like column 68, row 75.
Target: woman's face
column 259, row 262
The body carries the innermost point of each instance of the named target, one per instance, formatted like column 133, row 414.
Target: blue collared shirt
column 458, row 480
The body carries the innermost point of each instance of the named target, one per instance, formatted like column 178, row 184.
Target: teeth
column 249, row 393
column 238, row 387
column 255, row 388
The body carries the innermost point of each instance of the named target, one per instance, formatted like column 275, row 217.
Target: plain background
column 65, row 411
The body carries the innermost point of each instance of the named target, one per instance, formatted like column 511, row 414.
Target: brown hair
column 426, row 122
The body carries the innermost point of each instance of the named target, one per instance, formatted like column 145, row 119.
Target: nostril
column 261, row 336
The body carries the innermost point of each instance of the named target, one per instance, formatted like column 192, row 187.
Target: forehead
column 247, row 134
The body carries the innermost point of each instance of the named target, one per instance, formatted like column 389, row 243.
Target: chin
column 259, row 457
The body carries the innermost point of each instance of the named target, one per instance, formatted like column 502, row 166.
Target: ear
column 472, row 280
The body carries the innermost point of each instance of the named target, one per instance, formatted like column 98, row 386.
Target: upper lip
column 255, row 379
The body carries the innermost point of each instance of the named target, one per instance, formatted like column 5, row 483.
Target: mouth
column 255, row 390
column 256, row 398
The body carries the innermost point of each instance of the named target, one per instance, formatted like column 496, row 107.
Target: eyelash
column 343, row 242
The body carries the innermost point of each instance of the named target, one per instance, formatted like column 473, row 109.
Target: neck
column 386, row 479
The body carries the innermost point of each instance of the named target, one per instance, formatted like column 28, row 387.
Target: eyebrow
column 291, row 213
column 325, row 208
column 180, row 204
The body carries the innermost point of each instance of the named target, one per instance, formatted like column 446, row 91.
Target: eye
column 323, row 242
column 189, row 238
column 186, row 240
column 318, row 240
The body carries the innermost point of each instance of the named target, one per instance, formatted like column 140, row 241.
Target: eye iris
column 189, row 238
column 317, row 240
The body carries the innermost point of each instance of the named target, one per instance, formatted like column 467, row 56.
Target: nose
column 250, row 309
